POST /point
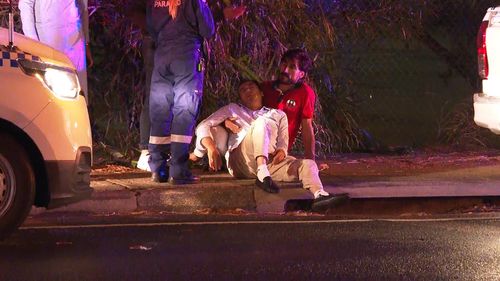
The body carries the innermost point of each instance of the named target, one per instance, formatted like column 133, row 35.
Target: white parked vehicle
column 45, row 136
column 487, row 103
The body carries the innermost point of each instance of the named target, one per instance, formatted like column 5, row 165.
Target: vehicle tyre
column 17, row 184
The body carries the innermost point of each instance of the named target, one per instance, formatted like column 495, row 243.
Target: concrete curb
column 221, row 192
column 399, row 206
column 405, row 189
column 192, row 199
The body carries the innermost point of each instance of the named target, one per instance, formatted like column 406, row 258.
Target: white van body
column 45, row 135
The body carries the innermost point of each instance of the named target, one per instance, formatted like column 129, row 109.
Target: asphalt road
column 297, row 249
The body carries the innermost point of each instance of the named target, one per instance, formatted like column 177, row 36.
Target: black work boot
column 159, row 177
column 184, row 180
column 322, row 203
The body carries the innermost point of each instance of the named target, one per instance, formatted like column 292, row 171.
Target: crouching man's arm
column 205, row 143
column 209, row 147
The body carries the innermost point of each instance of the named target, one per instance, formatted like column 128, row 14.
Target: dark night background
column 388, row 73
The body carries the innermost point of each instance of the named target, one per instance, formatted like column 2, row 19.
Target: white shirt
column 61, row 24
column 245, row 117
column 37, row 15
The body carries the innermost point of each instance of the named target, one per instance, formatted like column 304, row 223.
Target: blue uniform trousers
column 176, row 95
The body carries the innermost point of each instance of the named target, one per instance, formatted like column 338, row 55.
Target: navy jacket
column 194, row 22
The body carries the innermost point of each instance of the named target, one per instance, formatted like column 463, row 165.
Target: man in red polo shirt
column 292, row 95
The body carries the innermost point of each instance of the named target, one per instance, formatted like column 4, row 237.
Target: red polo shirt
column 297, row 103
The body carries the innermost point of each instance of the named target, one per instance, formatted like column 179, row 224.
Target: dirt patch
column 362, row 164
column 106, row 169
column 358, row 165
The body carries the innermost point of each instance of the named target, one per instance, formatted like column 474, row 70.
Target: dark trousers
column 176, row 95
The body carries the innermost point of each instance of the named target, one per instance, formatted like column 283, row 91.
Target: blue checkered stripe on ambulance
column 9, row 58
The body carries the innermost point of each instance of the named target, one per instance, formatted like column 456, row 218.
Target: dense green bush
column 347, row 39
column 248, row 47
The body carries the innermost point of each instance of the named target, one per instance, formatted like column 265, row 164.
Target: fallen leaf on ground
column 140, row 248
column 205, row 211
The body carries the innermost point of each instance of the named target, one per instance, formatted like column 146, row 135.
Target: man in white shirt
column 63, row 25
column 259, row 148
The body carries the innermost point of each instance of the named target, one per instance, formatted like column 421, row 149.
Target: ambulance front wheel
column 17, row 184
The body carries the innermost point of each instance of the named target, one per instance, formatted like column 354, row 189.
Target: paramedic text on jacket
column 177, row 83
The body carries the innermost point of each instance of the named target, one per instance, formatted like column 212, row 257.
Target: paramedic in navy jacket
column 178, row 28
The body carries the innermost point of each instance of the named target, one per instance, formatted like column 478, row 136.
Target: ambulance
column 45, row 136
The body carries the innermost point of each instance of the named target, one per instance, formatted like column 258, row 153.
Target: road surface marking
column 153, row 224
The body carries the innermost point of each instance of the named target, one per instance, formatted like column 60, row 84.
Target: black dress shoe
column 323, row 203
column 186, row 180
column 158, row 177
column 267, row 185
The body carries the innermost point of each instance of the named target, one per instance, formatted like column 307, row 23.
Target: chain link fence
column 388, row 73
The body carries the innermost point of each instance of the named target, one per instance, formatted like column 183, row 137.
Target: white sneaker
column 142, row 163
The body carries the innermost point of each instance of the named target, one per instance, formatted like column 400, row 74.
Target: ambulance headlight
column 61, row 81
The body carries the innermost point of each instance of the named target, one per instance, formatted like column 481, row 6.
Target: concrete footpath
column 435, row 193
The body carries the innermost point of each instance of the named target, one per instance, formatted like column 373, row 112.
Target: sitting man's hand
column 231, row 125
column 214, row 159
column 323, row 167
column 278, row 156
column 193, row 157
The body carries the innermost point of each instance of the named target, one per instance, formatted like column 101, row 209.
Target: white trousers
column 243, row 164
